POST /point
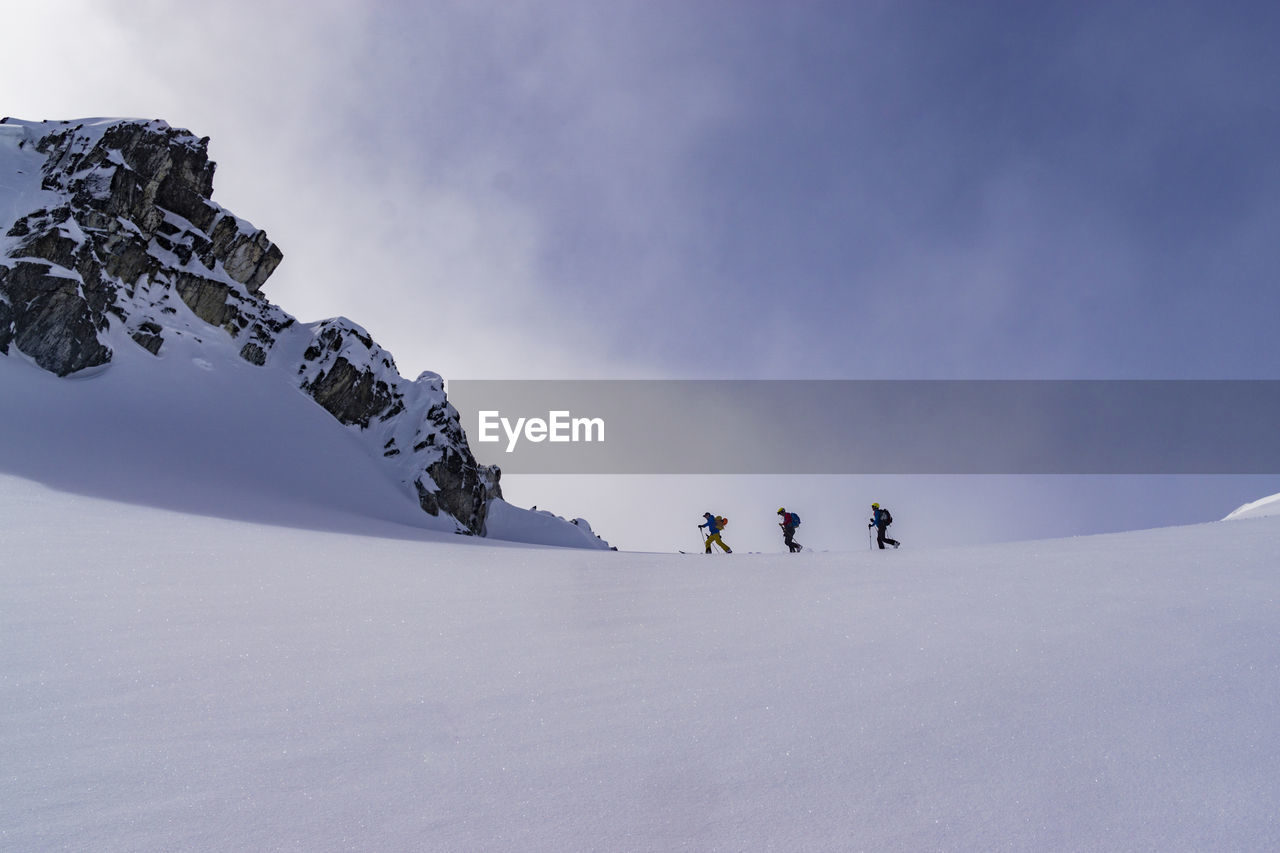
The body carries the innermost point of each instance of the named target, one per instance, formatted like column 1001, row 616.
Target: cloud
column 492, row 189
column 652, row 188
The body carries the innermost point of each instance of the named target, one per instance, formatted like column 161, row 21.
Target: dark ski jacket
column 882, row 518
column 710, row 525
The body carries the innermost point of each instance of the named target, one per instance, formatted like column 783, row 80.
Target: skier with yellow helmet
column 881, row 518
column 790, row 521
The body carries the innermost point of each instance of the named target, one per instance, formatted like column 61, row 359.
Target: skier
column 789, row 523
column 714, row 525
column 881, row 518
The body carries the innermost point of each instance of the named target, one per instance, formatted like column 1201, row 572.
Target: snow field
column 181, row 682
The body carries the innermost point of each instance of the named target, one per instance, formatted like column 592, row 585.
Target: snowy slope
column 1257, row 509
column 194, row 432
column 179, row 682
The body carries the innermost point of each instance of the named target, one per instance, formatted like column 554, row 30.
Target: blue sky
column 733, row 189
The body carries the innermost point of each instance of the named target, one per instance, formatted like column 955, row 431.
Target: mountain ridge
column 112, row 241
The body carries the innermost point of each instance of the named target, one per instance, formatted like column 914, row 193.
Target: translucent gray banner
column 872, row 427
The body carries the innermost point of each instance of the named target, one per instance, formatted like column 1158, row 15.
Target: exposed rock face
column 52, row 318
column 412, row 423
column 132, row 211
column 116, row 242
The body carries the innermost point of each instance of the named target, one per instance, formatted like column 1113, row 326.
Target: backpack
column 795, row 519
column 888, row 516
column 721, row 522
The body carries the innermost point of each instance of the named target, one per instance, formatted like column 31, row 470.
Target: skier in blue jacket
column 881, row 518
column 714, row 525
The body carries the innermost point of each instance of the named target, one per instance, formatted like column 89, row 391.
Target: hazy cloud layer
column 715, row 189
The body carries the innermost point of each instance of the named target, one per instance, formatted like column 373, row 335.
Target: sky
column 886, row 190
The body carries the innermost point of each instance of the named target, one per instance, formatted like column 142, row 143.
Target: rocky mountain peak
column 115, row 241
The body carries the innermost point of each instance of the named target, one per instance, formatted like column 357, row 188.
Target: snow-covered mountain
column 112, row 247
column 176, row 682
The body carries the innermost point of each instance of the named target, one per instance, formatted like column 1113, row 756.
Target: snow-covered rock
column 111, row 239
column 111, row 221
